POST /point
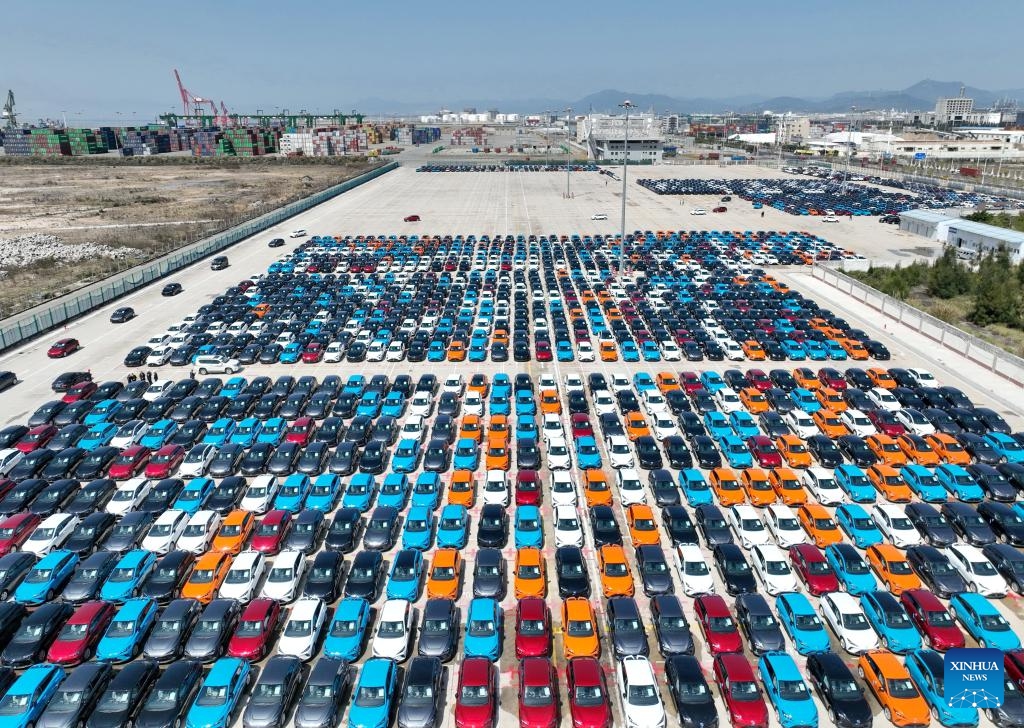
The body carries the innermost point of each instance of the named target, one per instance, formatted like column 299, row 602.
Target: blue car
column 983, row 621
column 643, row 381
column 695, row 488
column 273, row 431
column 587, row 454
column 220, row 694
column 650, row 351
column 851, row 568
column 406, row 575
column 291, row 353
column 369, row 404
column 500, row 405
column 47, row 578
column 815, row 350
column 394, row 405
column 293, row 493
column 1008, row 449
column 127, row 631
column 323, row 496
column 426, row 492
column 529, row 530
column 355, row 384
column 483, row 629
column 855, row 483
column 563, row 352
column 407, row 456
column 28, row 696
column 98, row 435
column 712, row 381
column 629, row 351
column 804, row 399
column 220, row 432
column 717, row 424
column 194, row 495
column 394, row 491
column 787, row 690
column 835, row 350
column 126, row 579
column 453, row 527
column 801, row 623
column 927, row 672
column 361, row 491
column 793, row 350
column 375, row 694
column 437, row 352
column 233, row 387
column 858, row 525
column 467, row 455
column 959, row 483
column 526, row 407
column 924, row 483
column 418, row 531
column 247, row 432
column 891, row 621
column 102, row 412
column 346, row 635
column 158, row 434
column 735, row 452
column 743, row 424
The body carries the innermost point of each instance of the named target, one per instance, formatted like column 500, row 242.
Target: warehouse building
column 973, row 239
column 931, row 224
column 605, row 138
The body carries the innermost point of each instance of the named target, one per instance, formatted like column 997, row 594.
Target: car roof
column 784, row 666
column 222, row 671
column 638, row 670
column 393, row 609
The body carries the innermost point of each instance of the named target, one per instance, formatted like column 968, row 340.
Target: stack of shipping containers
column 85, row 141
column 17, row 143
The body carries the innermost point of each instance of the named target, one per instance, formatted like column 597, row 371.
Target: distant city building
column 605, row 137
column 954, row 110
column 670, row 124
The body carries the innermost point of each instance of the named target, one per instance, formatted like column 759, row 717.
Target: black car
column 171, row 289
column 733, row 569
column 996, row 485
column 345, row 530
column 274, row 693
column 187, row 408
column 678, row 525
column 255, row 461
column 838, row 691
column 324, row 578
column 32, row 465
column 626, row 628
column 970, row 526
column 439, row 631
column 128, row 533
column 92, row 497
column 77, row 696
column 654, row 570
column 324, row 697
column 308, row 528
column 56, row 495
column 1009, row 562
column 671, row 626
column 693, row 699
column 89, row 576
column 856, row 450
column 1013, row 472
column 374, row 458
column 137, row 356
column 664, row 488
column 677, row 452
column 437, row 457
column 67, row 380
column 420, row 705
column 824, row 451
column 758, row 624
column 1004, row 522
column 35, row 635
column 125, row 694
column 706, row 452
column 528, row 455
column 711, row 525
column 165, row 491
column 366, row 576
column 931, row 523
column 226, row 495
column 10, row 435
column 604, row 526
column 172, row 628
column 571, row 572
column 89, row 532
column 492, row 531
column 283, row 461
column 213, row 630
column 489, row 575
column 171, row 695
column 21, row 495
column 381, row 529
column 980, row 450
column 14, row 566
column 168, row 576
column 189, row 433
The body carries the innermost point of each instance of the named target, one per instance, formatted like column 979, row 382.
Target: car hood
column 312, row 715
column 855, row 713
column 263, row 715
column 765, row 640
column 486, row 587
column 158, row 718
column 436, row 644
column 203, row 645
column 375, row 538
column 105, row 719
column 418, row 715
column 630, row 643
column 699, row 715
column 80, row 590
column 161, row 645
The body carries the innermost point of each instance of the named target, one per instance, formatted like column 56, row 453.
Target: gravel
column 25, row 250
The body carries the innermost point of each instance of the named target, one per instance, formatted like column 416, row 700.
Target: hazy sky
column 93, row 59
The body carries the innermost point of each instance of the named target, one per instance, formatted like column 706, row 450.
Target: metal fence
column 950, row 337
column 51, row 314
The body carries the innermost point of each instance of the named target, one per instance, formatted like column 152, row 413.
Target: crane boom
column 9, row 114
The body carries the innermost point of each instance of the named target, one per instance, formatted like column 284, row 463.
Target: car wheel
column 202, row 370
column 860, row 671
column 935, row 712
column 1014, row 584
column 972, row 587
column 49, row 595
column 885, row 642
column 3, row 596
column 888, row 714
column 982, row 643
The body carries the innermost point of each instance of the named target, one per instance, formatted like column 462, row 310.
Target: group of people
column 146, row 376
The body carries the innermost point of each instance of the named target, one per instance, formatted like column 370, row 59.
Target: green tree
column 997, row 292
column 947, row 277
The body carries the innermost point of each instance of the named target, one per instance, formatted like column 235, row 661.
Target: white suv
column 215, row 364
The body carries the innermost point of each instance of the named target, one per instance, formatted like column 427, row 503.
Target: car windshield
column 721, row 624
column 588, row 695
column 532, row 627
column 855, row 621
column 529, row 572
column 298, row 628
column 451, row 523
column 473, row 695
column 777, row 568
column 370, row 697
column 762, row 621
column 983, row 568
column 901, row 688
column 994, row 623
column 643, row 695
column 537, row 695
column 737, row 567
column 281, row 574
column 118, row 700
column 899, row 567
column 743, row 690
column 793, row 690
column 807, row 622
column 162, row 699
column 391, row 629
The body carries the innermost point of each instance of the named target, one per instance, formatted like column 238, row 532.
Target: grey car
column 671, row 626
column 439, row 633
column 213, row 630
column 274, row 693
column 89, row 576
column 77, row 696
column 13, row 569
column 420, row 704
column 124, row 695
column 627, row 628
column 489, row 575
column 172, row 628
column 758, row 624
column 171, row 696
column 382, row 529
column 325, row 695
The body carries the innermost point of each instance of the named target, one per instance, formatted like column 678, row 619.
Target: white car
column 166, row 531
column 746, row 523
column 568, row 530
column 51, row 534
column 298, row 234
column 604, row 403
column 773, row 570
column 158, row 357
column 631, row 489
column 620, row 382
column 823, row 486
column 558, row 454
column 663, row 426
column 915, row 422
column 496, row 490
column 654, row 402
column 563, row 489
column 413, row 429
column 395, row 351
column 727, row 400
column 376, row 351
column 197, row 461
column 244, row 576
column 884, row 399
column 698, row 211
column 639, row 692
column 129, row 434
column 454, row 384
column 892, row 521
column 573, row 383
column 783, row 525
column 585, row 351
column 979, row 573
column 548, row 381
column 599, row 216
column 9, row 458
column 421, row 405
column 334, row 352
column 923, row 377
column 733, row 351
column 844, row 615
column 694, row 572
column 671, row 352
column 199, row 532
column 394, row 630
column 260, row 494
column 473, row 404
column 857, row 422
column 129, row 496
column 830, row 218
column 800, row 423
column 286, row 572
column 551, row 428
column 620, row 454
column 157, row 389
column 302, row 630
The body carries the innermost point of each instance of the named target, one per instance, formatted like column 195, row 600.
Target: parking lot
column 532, row 204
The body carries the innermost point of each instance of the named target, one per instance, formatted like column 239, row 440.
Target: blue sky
column 93, row 59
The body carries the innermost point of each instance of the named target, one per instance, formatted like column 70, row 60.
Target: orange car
column 531, row 580
column 886, row 449
column 457, row 351
column 726, row 485
column 754, row 400
column 888, row 481
column 472, row 428
column 643, row 531
column 550, row 402
column 793, row 451
column 579, row 629
column 916, row 448
column 462, row 489
column 479, row 383
column 753, row 351
column 497, row 455
column 831, row 399
column 616, row 576
column 233, row 532
column 829, row 423
column 445, row 575
column 882, row 669
column 608, row 351
column 667, row 381
column 757, row 487
column 807, row 378
column 498, row 427
column 881, row 378
column 787, row 486
column 819, row 525
column 892, row 568
column 636, row 425
column 947, row 448
column 854, row 349
column 595, row 488
column 209, row 573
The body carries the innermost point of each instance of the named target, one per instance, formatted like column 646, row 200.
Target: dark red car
column 300, row 431
column 814, row 570
column 759, row 380
column 543, row 351
column 832, row 378
column 717, row 624
column 165, row 461
column 476, row 701
column 129, row 463
column 271, row 531
column 77, row 640
column 313, row 352
column 589, row 702
column 36, row 438
column 411, row 218
column 15, row 530
column 538, row 699
column 691, row 382
column 886, row 423
column 256, row 630
column 533, row 628
column 527, row 488
column 932, row 619
column 743, row 699
column 63, row 348
column 82, row 390
column 581, row 425
column 764, row 451
column 1013, row 666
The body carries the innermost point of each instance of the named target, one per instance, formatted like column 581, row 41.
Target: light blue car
column 851, row 568
column 418, row 531
column 587, row 453
column 924, row 483
column 529, row 529
column 47, row 578
column 247, row 432
column 695, row 488
column 220, row 432
column 983, row 621
column 804, row 399
column 102, row 412
column 374, row 696
column 361, row 491
column 158, row 434
column 959, row 483
column 394, row 491
column 453, row 527
column 801, row 623
column 220, row 694
column 426, row 492
column 927, row 672
column 233, row 387
column 127, row 631
column 787, row 690
column 735, row 452
column 855, row 483
column 891, row 621
column 717, row 424
column 483, row 629
column 273, row 431
column 323, row 495
column 98, row 435
column 407, row 456
column 394, row 405
column 406, row 576
column 743, row 424
column 1009, row 449
column 346, row 635
column 293, row 493
column 467, row 454
column 858, row 525
column 28, row 696
column 194, row 495
column 126, row 578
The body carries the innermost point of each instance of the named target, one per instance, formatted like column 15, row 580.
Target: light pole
column 568, row 153
column 627, row 105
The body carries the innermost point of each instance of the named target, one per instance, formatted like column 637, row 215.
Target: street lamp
column 568, row 153
column 627, row 105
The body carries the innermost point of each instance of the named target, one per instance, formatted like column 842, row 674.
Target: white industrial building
column 931, row 224
column 970, row 239
column 605, row 137
column 951, row 111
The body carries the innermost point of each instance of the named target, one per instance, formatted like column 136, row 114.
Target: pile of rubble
column 25, row 250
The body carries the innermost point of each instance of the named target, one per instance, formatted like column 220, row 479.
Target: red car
column 533, row 628
column 1013, row 666
column 764, row 451
column 82, row 390
column 886, row 423
column 527, row 488
column 832, row 378
column 589, row 702
column 313, row 352
column 932, row 619
column 270, row 531
column 759, row 380
column 720, row 208
column 581, row 425
column 743, row 699
column 812, row 567
column 36, row 438
column 476, row 702
column 717, row 624
column 256, row 629
column 543, row 351
column 77, row 640
column 691, row 382
column 300, row 431
column 15, row 530
column 538, row 703
column 411, row 218
column 165, row 461
column 63, row 348
column 129, row 463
